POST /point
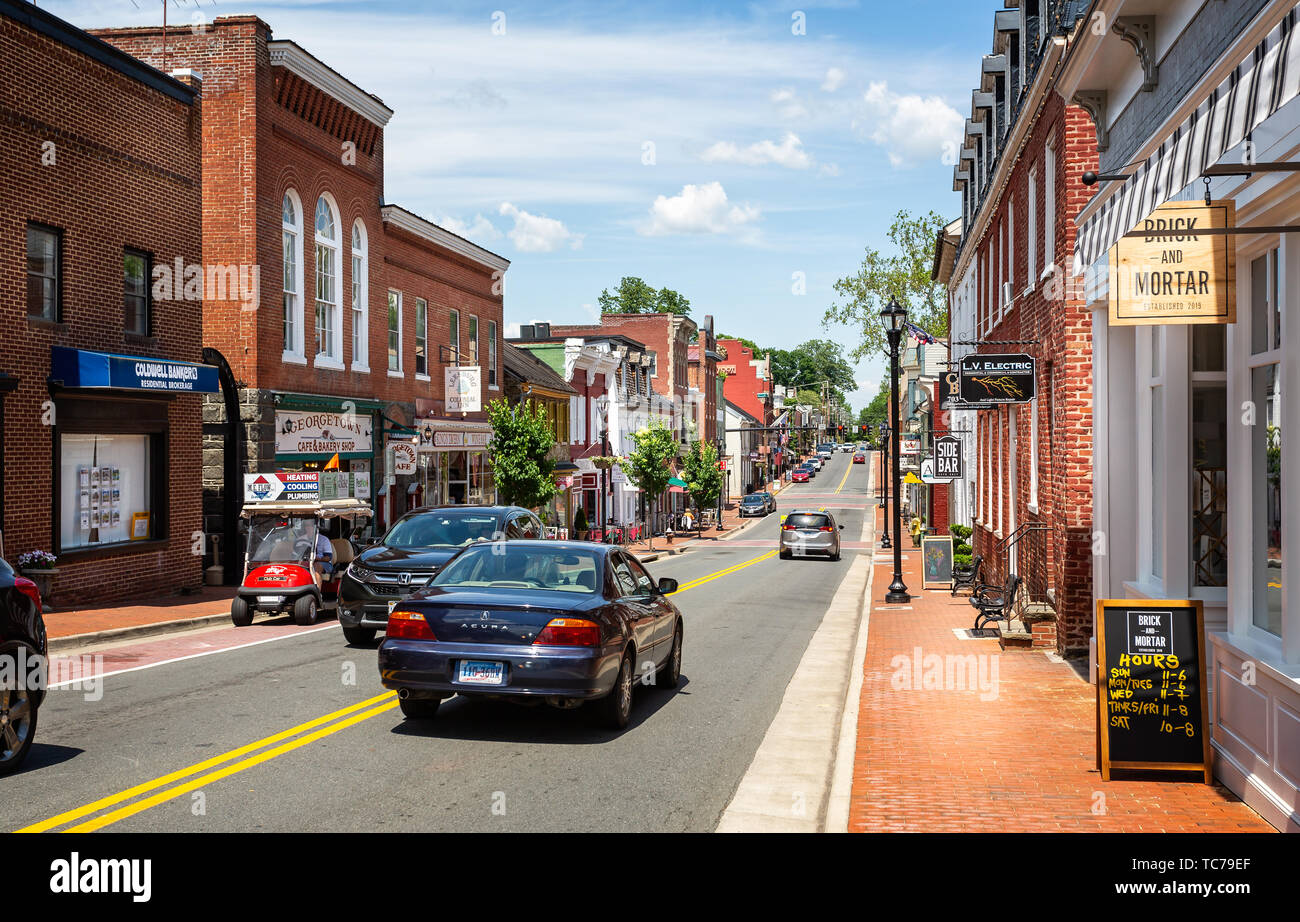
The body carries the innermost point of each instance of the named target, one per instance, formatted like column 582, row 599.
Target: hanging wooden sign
column 1171, row 274
column 1151, row 686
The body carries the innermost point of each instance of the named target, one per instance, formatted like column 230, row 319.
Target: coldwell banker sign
column 1172, row 274
column 997, row 378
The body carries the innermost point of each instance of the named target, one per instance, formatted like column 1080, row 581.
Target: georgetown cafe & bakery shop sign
column 1164, row 271
column 313, row 432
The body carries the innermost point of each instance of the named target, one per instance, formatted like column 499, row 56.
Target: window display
column 104, row 484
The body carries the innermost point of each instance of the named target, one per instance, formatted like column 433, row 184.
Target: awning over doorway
column 1266, row 80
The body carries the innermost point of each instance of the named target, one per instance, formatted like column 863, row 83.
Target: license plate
column 800, row 550
column 477, row 672
column 270, row 599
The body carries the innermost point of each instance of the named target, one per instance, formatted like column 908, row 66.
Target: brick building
column 1031, row 487
column 702, row 373
column 100, row 368
column 747, row 385
column 358, row 306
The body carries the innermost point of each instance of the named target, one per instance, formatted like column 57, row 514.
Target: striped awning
column 1266, row 80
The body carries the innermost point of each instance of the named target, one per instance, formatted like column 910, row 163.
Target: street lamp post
column 894, row 316
column 602, row 405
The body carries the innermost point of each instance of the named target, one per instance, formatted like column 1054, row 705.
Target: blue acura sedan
column 565, row 622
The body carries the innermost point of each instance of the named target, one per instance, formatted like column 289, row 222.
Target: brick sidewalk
column 211, row 600
column 946, row 761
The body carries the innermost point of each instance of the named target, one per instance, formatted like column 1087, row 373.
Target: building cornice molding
column 298, row 61
column 402, row 219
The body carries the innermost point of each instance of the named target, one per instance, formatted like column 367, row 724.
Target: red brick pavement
column 946, row 761
column 210, row 601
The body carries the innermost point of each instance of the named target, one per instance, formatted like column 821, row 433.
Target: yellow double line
column 327, row 724
column 175, row 784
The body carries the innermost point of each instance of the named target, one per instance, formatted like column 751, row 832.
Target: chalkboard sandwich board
column 936, row 556
column 1151, row 686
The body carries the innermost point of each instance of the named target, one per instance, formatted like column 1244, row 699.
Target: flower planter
column 44, row 580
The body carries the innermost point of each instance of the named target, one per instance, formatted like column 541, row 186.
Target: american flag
column 918, row 334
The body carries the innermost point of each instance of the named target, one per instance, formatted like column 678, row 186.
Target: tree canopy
column 520, row 452
column 701, row 474
column 635, row 296
column 649, row 465
column 903, row 274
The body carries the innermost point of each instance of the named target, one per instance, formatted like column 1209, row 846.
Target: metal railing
column 1024, row 553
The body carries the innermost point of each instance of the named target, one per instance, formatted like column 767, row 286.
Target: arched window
column 291, row 230
column 360, row 299
column 328, row 342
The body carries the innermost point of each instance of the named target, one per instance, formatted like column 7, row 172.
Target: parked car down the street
column 23, row 648
column 799, row 475
column 411, row 553
column 809, row 532
column 752, row 504
column 770, row 500
column 561, row 622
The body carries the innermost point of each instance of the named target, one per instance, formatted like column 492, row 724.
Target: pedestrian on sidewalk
column 688, row 521
column 916, row 528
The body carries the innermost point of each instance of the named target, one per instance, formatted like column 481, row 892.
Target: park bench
column 994, row 603
column 968, row 577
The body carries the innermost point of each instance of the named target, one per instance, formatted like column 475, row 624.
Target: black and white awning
column 1266, row 80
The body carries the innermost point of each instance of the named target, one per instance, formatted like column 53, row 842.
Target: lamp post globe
column 893, row 316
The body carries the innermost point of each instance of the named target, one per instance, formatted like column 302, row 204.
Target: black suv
column 415, row 548
column 23, row 649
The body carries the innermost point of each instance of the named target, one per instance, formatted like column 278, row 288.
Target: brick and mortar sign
column 1172, row 274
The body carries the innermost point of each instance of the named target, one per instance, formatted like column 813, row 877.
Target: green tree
column 649, row 465
column 904, row 274
column 702, row 476
column 876, row 412
column 812, row 362
column 520, row 451
column 634, row 296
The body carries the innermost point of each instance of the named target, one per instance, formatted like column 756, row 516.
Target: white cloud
column 787, row 103
column 834, row 79
column 910, row 128
column 479, row 230
column 789, row 153
column 702, row 209
column 536, row 233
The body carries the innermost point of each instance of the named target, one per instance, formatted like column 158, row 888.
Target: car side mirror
column 841, row 528
column 666, row 586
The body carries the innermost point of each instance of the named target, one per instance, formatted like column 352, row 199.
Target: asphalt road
column 251, row 739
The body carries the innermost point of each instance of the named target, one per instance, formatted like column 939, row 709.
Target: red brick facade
column 741, row 385
column 1048, row 312
column 667, row 336
column 97, row 148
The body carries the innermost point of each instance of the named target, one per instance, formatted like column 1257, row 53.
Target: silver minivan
column 808, row 533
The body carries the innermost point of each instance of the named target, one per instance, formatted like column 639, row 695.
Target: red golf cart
column 284, row 564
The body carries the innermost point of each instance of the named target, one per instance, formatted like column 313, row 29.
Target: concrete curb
column 138, row 630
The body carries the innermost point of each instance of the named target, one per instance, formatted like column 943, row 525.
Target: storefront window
column 1209, row 427
column 1267, row 505
column 105, row 490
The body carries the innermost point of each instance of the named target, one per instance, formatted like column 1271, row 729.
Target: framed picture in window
column 139, row 526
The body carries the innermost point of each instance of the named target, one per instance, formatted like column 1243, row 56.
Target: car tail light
column 406, row 624
column 28, row 588
column 825, row 528
column 569, row 632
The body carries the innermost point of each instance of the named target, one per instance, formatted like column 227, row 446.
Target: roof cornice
column 401, row 218
column 1044, row 80
column 293, row 58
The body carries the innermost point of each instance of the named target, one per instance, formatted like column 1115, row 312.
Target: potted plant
column 38, row 566
column 580, row 524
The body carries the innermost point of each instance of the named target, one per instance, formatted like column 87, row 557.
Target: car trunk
column 488, row 618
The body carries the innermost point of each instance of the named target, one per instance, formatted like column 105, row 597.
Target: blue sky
column 714, row 148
